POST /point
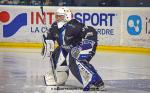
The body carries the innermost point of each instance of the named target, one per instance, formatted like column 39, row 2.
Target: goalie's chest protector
column 70, row 34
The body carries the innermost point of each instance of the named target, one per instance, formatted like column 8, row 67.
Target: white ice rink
column 21, row 71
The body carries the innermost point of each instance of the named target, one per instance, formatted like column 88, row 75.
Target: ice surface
column 21, row 71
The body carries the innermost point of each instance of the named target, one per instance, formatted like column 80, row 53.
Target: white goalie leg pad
column 61, row 78
column 60, row 71
column 86, row 75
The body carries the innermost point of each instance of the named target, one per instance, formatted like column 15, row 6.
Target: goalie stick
column 51, row 60
column 53, row 69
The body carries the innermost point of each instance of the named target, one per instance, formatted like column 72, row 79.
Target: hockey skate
column 100, row 87
column 95, row 84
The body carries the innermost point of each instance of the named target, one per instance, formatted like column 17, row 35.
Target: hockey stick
column 51, row 59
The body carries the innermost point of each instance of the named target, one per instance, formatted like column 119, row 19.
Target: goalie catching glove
column 83, row 51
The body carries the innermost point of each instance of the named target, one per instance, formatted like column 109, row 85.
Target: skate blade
column 101, row 88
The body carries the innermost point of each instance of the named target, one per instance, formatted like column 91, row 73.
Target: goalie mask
column 63, row 15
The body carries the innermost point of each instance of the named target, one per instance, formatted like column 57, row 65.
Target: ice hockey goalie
column 76, row 47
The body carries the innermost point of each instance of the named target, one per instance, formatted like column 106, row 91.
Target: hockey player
column 76, row 47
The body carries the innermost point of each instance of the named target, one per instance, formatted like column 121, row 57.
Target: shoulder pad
column 74, row 23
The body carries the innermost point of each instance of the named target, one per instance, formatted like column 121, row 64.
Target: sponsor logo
column 99, row 20
column 147, row 26
column 134, row 25
column 38, row 23
column 14, row 25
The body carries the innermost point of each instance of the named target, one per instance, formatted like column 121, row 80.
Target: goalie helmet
column 63, row 15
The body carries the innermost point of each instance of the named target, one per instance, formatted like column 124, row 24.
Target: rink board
column 99, row 48
column 121, row 27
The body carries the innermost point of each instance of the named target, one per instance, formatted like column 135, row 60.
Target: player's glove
column 83, row 51
column 75, row 51
column 48, row 47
